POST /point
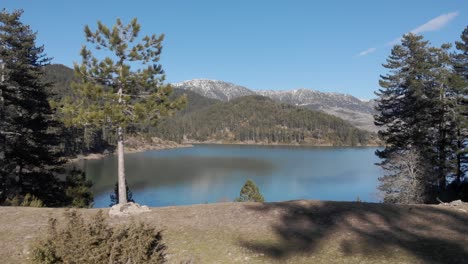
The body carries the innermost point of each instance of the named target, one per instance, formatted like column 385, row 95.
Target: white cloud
column 366, row 52
column 431, row 25
column 435, row 23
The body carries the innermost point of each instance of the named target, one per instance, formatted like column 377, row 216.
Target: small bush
column 32, row 201
column 250, row 193
column 95, row 241
column 28, row 200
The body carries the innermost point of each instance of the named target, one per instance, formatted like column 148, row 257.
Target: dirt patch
column 286, row 232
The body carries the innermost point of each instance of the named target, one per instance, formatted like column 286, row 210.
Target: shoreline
column 278, row 144
column 189, row 144
column 128, row 150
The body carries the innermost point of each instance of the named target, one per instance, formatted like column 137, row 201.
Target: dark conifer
column 28, row 140
column 416, row 110
column 460, row 84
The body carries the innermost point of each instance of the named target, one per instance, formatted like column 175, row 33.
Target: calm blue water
column 214, row 173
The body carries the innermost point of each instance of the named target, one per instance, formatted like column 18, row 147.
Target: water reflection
column 214, row 173
column 143, row 172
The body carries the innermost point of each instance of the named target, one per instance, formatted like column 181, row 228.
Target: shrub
column 250, row 193
column 32, row 201
column 94, row 241
column 78, row 189
column 28, row 200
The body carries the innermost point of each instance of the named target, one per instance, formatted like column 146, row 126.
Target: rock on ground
column 127, row 209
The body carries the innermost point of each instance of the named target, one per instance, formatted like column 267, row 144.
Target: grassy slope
column 287, row 232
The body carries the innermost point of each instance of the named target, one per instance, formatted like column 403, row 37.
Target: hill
column 223, row 112
column 60, row 78
column 195, row 101
column 284, row 232
column 258, row 119
column 358, row 112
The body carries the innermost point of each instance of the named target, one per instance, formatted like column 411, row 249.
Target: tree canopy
column 121, row 87
column 28, row 132
column 419, row 111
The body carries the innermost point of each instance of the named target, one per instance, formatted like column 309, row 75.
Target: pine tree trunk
column 121, row 167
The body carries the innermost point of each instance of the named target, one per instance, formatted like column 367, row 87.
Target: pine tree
column 124, row 88
column 461, row 58
column 460, row 81
column 250, row 193
column 28, row 139
column 416, row 108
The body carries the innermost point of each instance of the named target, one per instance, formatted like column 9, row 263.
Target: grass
column 287, row 232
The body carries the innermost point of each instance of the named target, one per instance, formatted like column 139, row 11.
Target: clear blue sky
column 332, row 46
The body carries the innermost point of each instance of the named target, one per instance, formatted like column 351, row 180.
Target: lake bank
column 142, row 146
column 284, row 232
column 134, row 145
column 254, row 143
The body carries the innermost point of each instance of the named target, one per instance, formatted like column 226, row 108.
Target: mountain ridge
column 358, row 112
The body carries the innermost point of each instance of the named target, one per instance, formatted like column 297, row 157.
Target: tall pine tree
column 417, row 112
column 123, row 88
column 460, row 83
column 28, row 156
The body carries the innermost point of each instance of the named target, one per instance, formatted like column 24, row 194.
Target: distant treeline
column 261, row 120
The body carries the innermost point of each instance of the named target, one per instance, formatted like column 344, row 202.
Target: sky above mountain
column 330, row 46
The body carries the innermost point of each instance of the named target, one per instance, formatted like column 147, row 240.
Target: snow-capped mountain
column 317, row 100
column 357, row 112
column 220, row 90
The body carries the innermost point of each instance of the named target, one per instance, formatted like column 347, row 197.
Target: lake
column 216, row 173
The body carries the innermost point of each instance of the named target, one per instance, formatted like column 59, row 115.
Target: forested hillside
column 195, row 101
column 60, row 78
column 250, row 119
column 257, row 119
column 358, row 112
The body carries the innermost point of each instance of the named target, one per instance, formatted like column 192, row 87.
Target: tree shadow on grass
column 431, row 234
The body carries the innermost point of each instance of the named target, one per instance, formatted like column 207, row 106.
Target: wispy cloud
column 366, row 52
column 431, row 25
column 435, row 23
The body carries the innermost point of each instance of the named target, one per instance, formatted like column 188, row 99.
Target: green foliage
column 461, row 58
column 460, row 65
column 250, row 193
column 29, row 135
column 195, row 102
column 259, row 119
column 31, row 201
column 109, row 92
column 112, row 95
column 28, row 200
column 95, row 241
column 419, row 111
column 78, row 189
column 60, row 77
